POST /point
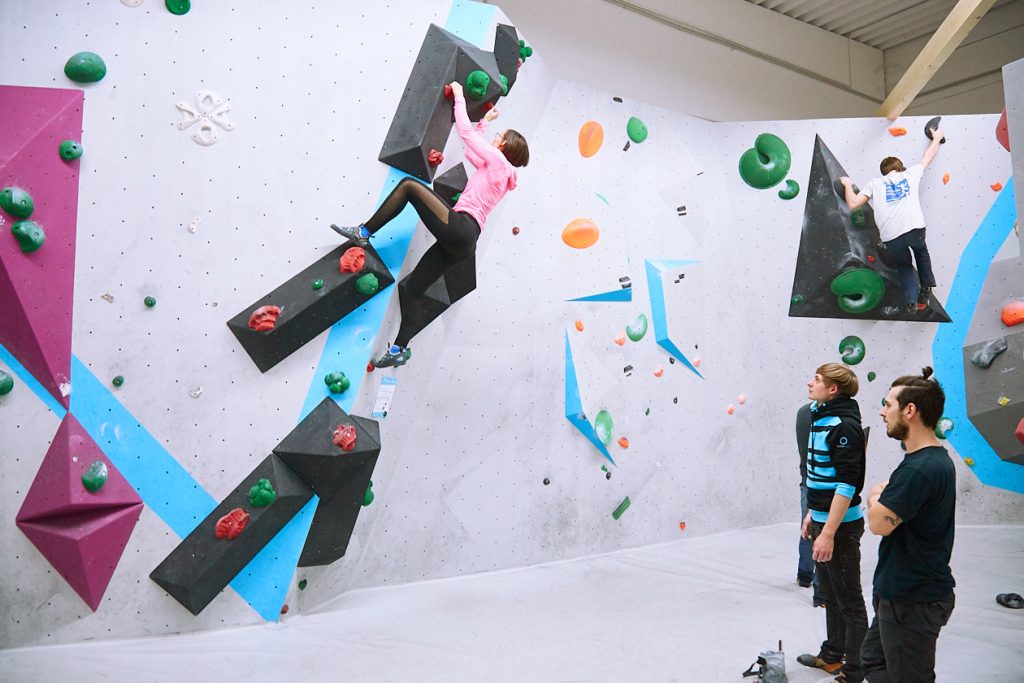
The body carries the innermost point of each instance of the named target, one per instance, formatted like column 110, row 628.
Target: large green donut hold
column 858, row 290
column 766, row 163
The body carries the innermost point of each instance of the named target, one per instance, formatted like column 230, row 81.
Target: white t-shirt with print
column 896, row 201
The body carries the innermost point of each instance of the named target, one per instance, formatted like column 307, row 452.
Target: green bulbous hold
column 16, row 202
column 95, row 477
column 476, row 84
column 858, row 290
column 262, row 494
column 791, row 190
column 858, row 218
column 504, row 84
column 525, row 51
column 85, row 67
column 367, row 284
column 337, row 382
column 872, row 376
column 797, row 299
column 6, row 383
column 178, row 7
column 603, row 426
column 117, row 381
column 29, row 234
column 638, row 329
column 636, row 129
column 368, row 496
column 318, row 283
column 766, row 163
column 852, row 349
column 70, row 149
column 149, row 302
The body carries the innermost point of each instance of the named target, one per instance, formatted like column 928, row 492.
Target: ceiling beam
column 962, row 18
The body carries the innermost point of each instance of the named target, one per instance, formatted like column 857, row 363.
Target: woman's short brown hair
column 515, row 148
column 891, row 164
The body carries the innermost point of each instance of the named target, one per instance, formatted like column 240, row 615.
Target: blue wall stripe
column 574, row 404
column 659, row 313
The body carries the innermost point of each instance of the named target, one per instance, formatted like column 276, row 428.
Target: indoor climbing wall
column 624, row 372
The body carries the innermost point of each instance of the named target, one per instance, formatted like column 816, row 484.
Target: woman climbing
column 456, row 229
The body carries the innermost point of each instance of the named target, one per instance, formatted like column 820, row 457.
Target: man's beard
column 898, row 430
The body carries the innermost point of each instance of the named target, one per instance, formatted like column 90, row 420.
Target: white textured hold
column 210, row 113
column 193, row 225
column 108, row 297
column 195, row 392
column 65, row 389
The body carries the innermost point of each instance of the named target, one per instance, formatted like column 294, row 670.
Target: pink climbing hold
column 435, row 158
column 1019, row 432
column 345, row 437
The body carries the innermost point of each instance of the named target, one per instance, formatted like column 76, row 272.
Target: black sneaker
column 357, row 233
column 923, row 295
column 816, row 662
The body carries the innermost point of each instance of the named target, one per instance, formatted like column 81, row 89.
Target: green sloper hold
column 623, row 506
column 262, row 494
column 858, row 218
column 95, row 477
column 29, row 234
column 16, row 202
column 852, row 349
column 858, row 290
column 178, row 7
column 603, row 426
column 944, row 427
column 367, row 284
column 70, row 149
column 337, row 382
column 368, row 496
column 525, row 51
column 638, row 329
column 6, row 383
column 85, row 67
column 791, row 190
column 476, row 84
column 766, row 163
column 872, row 376
column 504, row 84
column 636, row 129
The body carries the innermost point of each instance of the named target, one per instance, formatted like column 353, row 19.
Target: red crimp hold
column 488, row 106
column 353, row 260
column 345, row 437
column 369, row 366
column 1019, row 432
column 435, row 157
column 264, row 318
column 231, row 524
column 448, row 94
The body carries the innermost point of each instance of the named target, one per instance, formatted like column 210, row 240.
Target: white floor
column 697, row 611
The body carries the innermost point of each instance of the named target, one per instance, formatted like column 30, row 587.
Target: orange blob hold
column 1013, row 313
column 696, row 362
column 579, row 325
column 580, row 233
column 284, row 608
column 682, row 526
column 620, row 340
column 591, row 138
column 897, row 131
column 730, row 410
column 624, row 442
column 996, row 186
column 945, row 179
column 659, row 371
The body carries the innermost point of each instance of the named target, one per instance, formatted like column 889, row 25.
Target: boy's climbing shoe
column 357, row 234
column 818, row 663
column 394, row 357
column 922, row 298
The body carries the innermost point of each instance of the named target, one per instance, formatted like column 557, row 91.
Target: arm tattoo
column 894, row 520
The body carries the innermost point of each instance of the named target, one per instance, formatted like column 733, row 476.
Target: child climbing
column 456, row 229
column 901, row 225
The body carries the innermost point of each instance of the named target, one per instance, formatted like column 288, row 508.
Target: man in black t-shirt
column 914, row 513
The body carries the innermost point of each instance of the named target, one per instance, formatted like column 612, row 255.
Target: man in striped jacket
column 835, row 522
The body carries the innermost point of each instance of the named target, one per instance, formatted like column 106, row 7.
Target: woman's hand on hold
column 456, row 88
column 491, row 114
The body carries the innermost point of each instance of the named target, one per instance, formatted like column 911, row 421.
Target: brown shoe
column 819, row 663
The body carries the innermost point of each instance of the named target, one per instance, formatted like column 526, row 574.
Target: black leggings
column 456, row 234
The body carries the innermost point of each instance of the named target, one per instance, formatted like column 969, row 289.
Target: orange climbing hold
column 591, row 138
column 897, row 131
column 624, row 442
column 996, row 186
column 352, row 261
column 682, row 526
column 945, row 179
column 580, row 233
column 620, row 340
column 659, row 371
column 1013, row 313
column 579, row 325
column 730, row 409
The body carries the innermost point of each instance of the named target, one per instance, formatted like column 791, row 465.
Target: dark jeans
column 898, row 254
column 846, row 618
column 805, row 563
column 900, row 645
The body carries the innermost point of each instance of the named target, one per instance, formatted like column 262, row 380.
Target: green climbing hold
column 623, row 506
column 337, row 382
column 6, row 383
column 16, row 202
column 29, row 234
column 504, row 84
column 766, row 163
column 791, row 190
column 117, row 381
column 85, row 67
column 262, row 494
column 149, row 301
column 858, row 290
column 178, row 7
column 368, row 496
column 603, row 426
column 95, row 477
column 70, row 149
column 944, row 427
column 456, row 198
column 859, row 218
column 367, row 284
column 852, row 349
column 636, row 129
column 797, row 299
column 302, row 584
column 476, row 84
column 525, row 51
column 872, row 376
column 318, row 283
column 637, row 329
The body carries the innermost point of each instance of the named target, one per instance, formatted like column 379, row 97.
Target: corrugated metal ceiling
column 879, row 23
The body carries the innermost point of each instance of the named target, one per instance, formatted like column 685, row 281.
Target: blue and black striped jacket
column 835, row 457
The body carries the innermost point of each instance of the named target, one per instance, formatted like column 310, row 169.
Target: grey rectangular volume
column 306, row 312
column 1013, row 94
column 985, row 387
column 203, row 565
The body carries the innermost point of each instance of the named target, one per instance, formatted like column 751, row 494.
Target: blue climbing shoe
column 394, row 357
column 357, row 234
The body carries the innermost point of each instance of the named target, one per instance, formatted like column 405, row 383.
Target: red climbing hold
column 231, row 524
column 435, row 157
column 345, row 437
column 353, row 260
column 515, row 230
column 1019, row 432
column 871, row 259
column 1013, row 313
column 897, row 131
column 996, row 187
column 448, row 94
column 264, row 318
column 1003, row 131
column 369, row 366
